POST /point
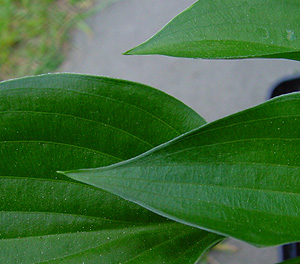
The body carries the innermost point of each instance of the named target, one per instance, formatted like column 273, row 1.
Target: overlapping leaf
column 216, row 29
column 238, row 176
column 65, row 121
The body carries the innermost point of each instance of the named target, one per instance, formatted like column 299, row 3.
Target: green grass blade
column 238, row 176
column 65, row 121
column 230, row 29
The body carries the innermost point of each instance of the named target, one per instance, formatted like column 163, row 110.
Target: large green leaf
column 65, row 121
column 217, row 29
column 238, row 176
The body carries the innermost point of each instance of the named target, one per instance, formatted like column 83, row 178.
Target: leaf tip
column 133, row 51
column 68, row 174
column 77, row 175
column 142, row 49
column 128, row 52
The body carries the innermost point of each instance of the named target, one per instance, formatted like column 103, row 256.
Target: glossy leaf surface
column 65, row 121
column 230, row 29
column 238, row 176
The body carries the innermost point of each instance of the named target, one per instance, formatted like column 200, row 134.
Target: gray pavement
column 213, row 88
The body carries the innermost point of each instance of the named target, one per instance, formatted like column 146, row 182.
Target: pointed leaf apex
column 139, row 50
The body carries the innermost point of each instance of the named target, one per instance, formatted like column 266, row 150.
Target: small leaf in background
column 67, row 121
column 230, row 176
column 230, row 29
column 291, row 261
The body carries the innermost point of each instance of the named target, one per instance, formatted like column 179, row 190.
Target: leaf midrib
column 203, row 201
column 202, row 185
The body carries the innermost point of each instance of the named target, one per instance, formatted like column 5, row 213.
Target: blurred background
column 89, row 36
column 34, row 34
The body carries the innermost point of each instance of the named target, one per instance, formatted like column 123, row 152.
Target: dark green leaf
column 65, row 121
column 217, row 29
column 291, row 261
column 238, row 176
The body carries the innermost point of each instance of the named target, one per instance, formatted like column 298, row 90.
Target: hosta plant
column 100, row 170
